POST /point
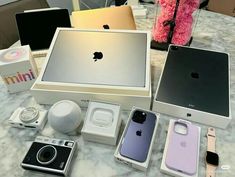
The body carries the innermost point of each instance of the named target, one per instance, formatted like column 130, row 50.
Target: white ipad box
column 105, row 65
column 195, row 85
column 164, row 168
column 102, row 122
column 17, row 68
column 143, row 166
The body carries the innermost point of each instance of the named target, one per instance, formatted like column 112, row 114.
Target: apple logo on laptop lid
column 97, row 56
column 106, row 26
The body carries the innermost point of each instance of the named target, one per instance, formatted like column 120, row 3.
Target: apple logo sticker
column 183, row 144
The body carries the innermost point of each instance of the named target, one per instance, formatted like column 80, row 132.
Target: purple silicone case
column 182, row 150
column 137, row 147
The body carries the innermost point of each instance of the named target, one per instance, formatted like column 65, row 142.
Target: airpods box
column 102, row 123
column 169, row 171
column 143, row 166
column 17, row 68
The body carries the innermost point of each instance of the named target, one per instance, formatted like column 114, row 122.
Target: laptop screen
column 98, row 57
column 104, row 18
column 37, row 28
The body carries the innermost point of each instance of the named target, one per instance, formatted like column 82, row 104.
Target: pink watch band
column 211, row 139
column 210, row 169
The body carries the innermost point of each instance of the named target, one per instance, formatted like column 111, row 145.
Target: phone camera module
column 174, row 48
column 46, row 155
column 139, row 117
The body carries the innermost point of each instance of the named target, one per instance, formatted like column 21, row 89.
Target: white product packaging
column 17, row 68
column 102, row 123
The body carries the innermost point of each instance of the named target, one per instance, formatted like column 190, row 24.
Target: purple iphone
column 183, row 147
column 138, row 135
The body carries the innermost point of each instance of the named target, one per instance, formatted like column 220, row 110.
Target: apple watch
column 212, row 158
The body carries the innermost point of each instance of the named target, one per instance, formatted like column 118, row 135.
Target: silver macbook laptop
column 100, row 57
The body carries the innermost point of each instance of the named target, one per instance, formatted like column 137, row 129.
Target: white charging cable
column 106, row 3
column 85, row 4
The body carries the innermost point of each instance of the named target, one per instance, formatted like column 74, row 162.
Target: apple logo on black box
column 97, row 56
column 195, row 75
column 138, row 132
column 106, row 26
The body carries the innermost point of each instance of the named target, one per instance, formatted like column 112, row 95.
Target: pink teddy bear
column 183, row 21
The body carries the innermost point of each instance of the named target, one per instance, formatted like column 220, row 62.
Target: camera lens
column 174, row 47
column 46, row 154
column 29, row 114
column 139, row 117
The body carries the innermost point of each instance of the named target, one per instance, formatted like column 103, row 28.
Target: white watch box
column 169, row 171
column 102, row 123
column 117, row 71
column 195, row 85
column 143, row 166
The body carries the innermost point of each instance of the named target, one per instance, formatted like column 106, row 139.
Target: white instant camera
column 29, row 117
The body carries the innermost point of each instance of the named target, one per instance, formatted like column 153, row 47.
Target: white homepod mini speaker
column 65, row 116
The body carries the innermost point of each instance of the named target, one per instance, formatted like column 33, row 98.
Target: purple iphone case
column 138, row 136
column 182, row 149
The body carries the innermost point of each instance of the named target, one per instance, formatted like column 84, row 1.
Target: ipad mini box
column 105, row 65
column 17, row 68
column 195, row 85
column 135, row 146
column 102, row 123
column 182, row 148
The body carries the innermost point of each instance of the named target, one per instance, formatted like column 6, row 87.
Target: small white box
column 168, row 171
column 195, row 88
column 143, row 166
column 17, row 68
column 102, row 123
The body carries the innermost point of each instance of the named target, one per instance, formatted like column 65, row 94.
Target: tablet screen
column 37, row 28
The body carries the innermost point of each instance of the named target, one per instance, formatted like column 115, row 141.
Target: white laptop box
column 106, row 65
column 195, row 85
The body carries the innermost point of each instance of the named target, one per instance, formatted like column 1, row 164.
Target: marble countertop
column 213, row 31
